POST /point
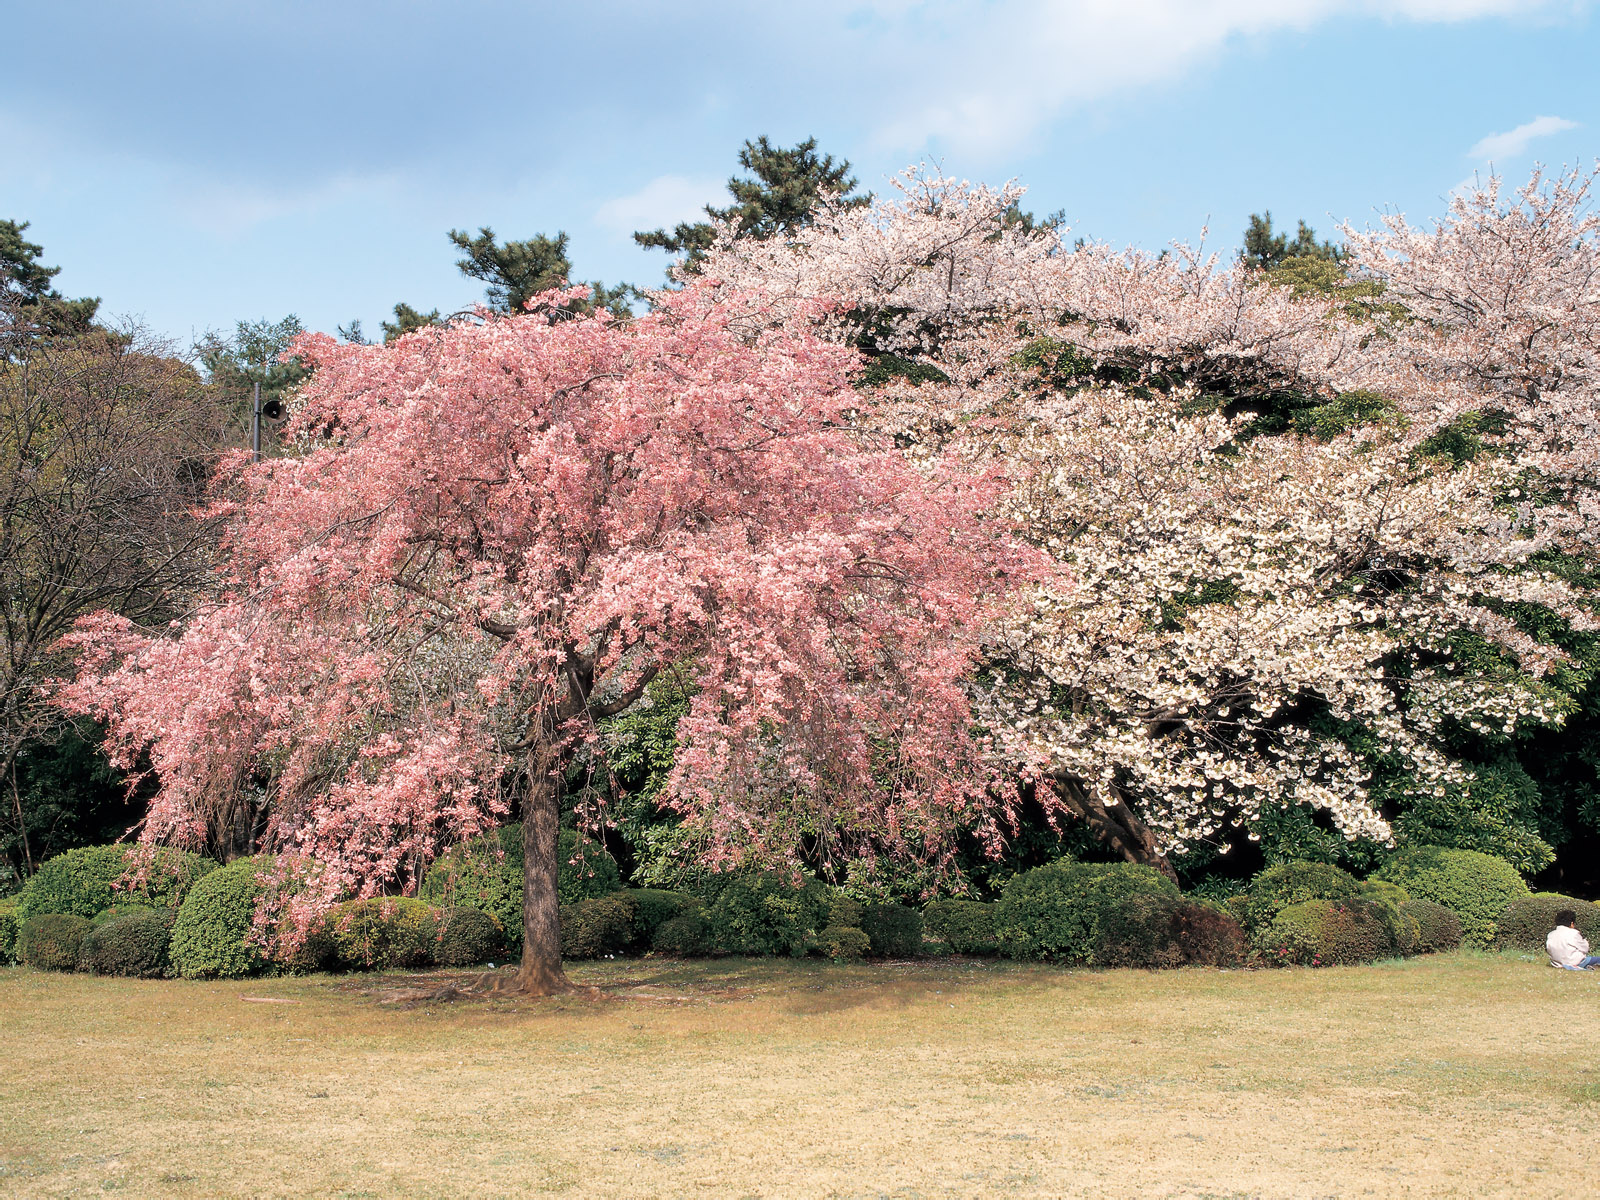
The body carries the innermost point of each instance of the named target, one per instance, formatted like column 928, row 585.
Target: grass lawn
column 1464, row 1075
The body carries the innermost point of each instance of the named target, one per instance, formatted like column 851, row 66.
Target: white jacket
column 1566, row 946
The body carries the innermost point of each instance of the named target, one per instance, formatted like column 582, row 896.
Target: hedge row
column 185, row 916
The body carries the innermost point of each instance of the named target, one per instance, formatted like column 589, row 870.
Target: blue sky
column 198, row 163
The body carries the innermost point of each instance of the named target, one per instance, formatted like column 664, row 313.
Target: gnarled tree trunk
column 1110, row 819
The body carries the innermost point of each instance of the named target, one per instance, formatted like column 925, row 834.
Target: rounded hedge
column 384, row 932
column 893, row 930
column 1325, row 933
column 10, row 924
column 598, row 927
column 686, row 935
column 486, row 873
column 1438, row 929
column 1276, row 888
column 843, row 941
column 1054, row 911
column 652, row 908
column 967, row 926
column 82, row 881
column 467, row 936
column 210, row 938
column 1157, row 930
column 769, row 912
column 1528, row 920
column 52, row 941
column 1477, row 887
column 132, row 944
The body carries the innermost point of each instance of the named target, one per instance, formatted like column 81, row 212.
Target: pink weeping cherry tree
column 498, row 533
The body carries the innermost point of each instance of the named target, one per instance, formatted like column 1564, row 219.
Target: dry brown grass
column 1463, row 1075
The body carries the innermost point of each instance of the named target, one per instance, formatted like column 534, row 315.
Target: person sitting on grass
column 1567, row 947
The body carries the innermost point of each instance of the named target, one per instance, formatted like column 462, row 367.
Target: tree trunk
column 541, row 973
column 1114, row 823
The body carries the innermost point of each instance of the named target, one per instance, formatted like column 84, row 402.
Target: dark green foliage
column 515, row 272
column 1158, row 930
column 686, row 935
column 1276, row 888
column 408, row 320
column 967, row 926
column 486, row 873
column 384, row 932
column 1460, row 442
column 893, row 930
column 133, row 944
column 1265, row 249
column 843, row 941
column 769, row 912
column 10, row 924
column 1344, row 412
column 1325, row 933
column 70, row 796
column 467, row 936
column 1528, row 920
column 1497, row 813
column 880, row 369
column 81, row 881
column 252, row 355
column 651, row 909
column 1476, row 887
column 778, row 200
column 1438, row 929
column 210, row 939
column 1054, row 912
column 25, row 281
column 844, row 911
column 599, row 927
column 52, row 941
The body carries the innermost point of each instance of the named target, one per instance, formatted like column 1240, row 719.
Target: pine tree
column 778, row 200
column 1265, row 249
column 26, row 281
column 517, row 271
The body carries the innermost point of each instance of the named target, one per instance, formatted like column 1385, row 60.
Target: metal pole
column 255, row 425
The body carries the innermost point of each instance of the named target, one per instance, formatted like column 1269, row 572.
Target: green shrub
column 1209, row 935
column 843, row 941
column 1382, row 889
column 769, row 912
column 1528, row 920
column 133, row 944
column 1054, row 911
column 210, row 938
column 52, row 941
column 1138, row 933
column 1438, row 929
column 384, row 932
column 599, row 927
column 486, row 873
column 1477, row 887
column 651, row 909
column 967, row 926
column 10, row 923
column 467, row 936
column 686, row 935
column 1325, row 933
column 1157, row 930
column 893, row 930
column 845, row 912
column 81, row 881
column 1276, row 888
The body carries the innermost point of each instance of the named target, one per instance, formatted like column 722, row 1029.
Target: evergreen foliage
column 777, row 199
column 211, row 937
column 467, row 936
column 1055, row 912
column 133, row 943
column 26, row 281
column 84, row 881
column 967, row 926
column 52, row 941
column 1528, row 920
column 1478, row 888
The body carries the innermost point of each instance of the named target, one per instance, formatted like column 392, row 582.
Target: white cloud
column 661, row 203
column 1001, row 71
column 1514, row 143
